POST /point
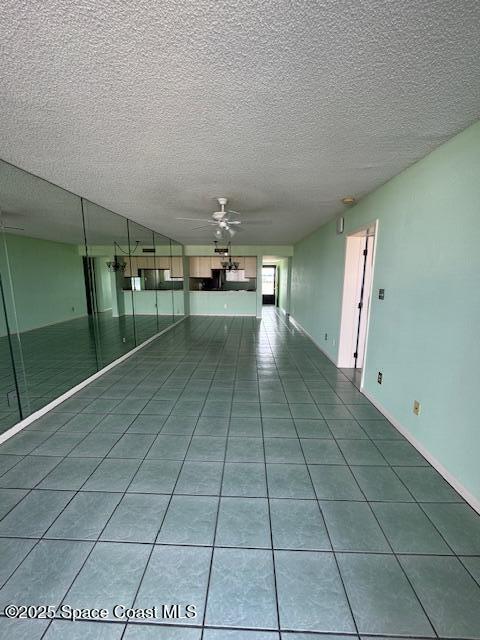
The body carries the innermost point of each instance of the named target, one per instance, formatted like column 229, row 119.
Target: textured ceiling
column 152, row 108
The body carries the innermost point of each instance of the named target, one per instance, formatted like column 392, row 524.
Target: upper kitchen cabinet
column 200, row 267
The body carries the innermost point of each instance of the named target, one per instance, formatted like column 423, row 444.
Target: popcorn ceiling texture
column 151, row 108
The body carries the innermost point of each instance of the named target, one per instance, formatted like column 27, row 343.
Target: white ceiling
column 152, row 108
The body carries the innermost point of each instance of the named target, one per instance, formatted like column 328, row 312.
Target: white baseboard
column 459, row 488
column 225, row 315
column 68, row 394
column 299, row 326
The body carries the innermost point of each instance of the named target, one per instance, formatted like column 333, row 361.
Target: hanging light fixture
column 115, row 265
column 230, row 265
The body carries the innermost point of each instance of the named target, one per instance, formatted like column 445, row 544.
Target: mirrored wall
column 80, row 286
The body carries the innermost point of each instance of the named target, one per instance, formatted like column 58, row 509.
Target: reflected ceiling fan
column 225, row 222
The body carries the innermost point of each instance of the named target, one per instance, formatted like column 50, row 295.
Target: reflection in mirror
column 44, row 286
column 141, row 282
column 163, row 263
column 177, row 272
column 9, row 401
column 108, row 265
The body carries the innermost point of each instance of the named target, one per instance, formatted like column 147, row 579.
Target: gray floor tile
column 381, row 483
column 176, row 575
column 321, row 451
column 244, row 479
column 334, row 482
column 95, row 445
column 312, row 428
column 207, row 448
column 23, row 443
column 275, row 410
column 310, row 592
column 84, row 517
column 114, row 423
column 298, row 524
column 278, row 428
column 364, row 412
column 449, row 594
column 283, row 450
column 12, row 552
column 28, row 473
column 9, row 498
column 212, row 426
column 155, row 476
column 427, row 485
column 382, row 600
column 353, row 527
column 242, row 426
column 110, row 576
column 46, row 573
column 169, row 447
column 136, row 519
column 70, row 474
column 112, row 475
column 408, row 529
column 243, row 522
column 242, row 589
column 401, row 453
column 289, row 481
column 67, row 630
column 34, row 514
column 59, row 444
column 360, row 452
column 200, row 478
column 380, row 430
column 189, row 520
column 224, row 634
column 180, row 425
column 81, row 423
column 245, row 409
column 458, row 524
column 155, row 632
column 7, row 462
column 245, row 449
column 151, row 424
column 346, row 429
column 22, row 629
column 132, row 445
column 305, row 411
column 473, row 566
column 334, row 412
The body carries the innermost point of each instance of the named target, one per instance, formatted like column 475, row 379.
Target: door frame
column 349, row 290
column 275, row 278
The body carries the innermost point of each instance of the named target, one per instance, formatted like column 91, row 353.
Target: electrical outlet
column 416, row 407
column 380, row 377
column 124, row 339
column 326, row 336
column 225, row 306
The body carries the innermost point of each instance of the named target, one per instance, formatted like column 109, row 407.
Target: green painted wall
column 283, row 301
column 223, row 303
column 48, row 282
column 424, row 335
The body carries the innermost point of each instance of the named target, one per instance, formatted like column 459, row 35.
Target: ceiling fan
column 222, row 221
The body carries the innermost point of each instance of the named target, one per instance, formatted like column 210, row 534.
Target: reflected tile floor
column 230, row 466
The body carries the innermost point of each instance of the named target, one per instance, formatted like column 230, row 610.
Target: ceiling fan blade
column 233, row 221
column 234, row 212
column 206, row 226
column 249, row 222
column 194, row 219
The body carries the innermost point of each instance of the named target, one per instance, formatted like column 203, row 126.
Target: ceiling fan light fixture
column 349, row 200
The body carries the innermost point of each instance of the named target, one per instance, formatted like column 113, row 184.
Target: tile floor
column 231, row 466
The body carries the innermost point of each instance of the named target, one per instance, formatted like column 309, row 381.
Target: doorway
column 269, row 284
column 357, row 288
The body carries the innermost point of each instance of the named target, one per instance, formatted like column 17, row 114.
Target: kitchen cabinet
column 250, row 267
column 177, row 267
column 200, row 267
column 216, row 262
column 131, row 270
